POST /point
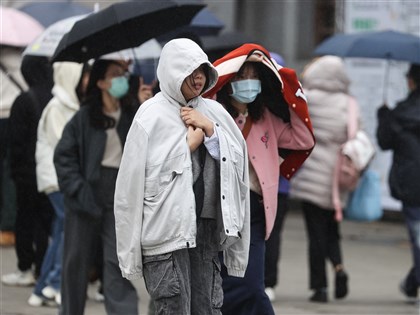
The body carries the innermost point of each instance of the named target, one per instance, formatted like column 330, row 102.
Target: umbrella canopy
column 47, row 13
column 46, row 43
column 120, row 26
column 17, row 28
column 204, row 23
column 150, row 49
column 218, row 46
column 389, row 45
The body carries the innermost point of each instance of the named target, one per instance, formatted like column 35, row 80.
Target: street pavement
column 376, row 256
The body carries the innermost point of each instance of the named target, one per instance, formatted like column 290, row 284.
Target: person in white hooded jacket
column 59, row 110
column 182, row 190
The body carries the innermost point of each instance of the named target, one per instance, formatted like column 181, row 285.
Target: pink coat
column 263, row 141
column 296, row 136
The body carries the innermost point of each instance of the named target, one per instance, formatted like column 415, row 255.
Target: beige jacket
column 326, row 87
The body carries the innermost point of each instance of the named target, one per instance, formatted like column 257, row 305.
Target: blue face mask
column 119, row 87
column 245, row 91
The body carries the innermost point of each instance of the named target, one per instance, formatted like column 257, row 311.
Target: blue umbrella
column 48, row 13
column 389, row 45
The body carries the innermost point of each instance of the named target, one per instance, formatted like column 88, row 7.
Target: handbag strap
column 10, row 77
column 353, row 117
column 352, row 126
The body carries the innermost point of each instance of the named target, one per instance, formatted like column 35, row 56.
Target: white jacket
column 55, row 116
column 154, row 199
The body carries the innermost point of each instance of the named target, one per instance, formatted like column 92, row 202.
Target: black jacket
column 399, row 131
column 24, row 117
column 78, row 156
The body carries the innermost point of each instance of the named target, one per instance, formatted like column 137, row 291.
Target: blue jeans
column 51, row 265
column 412, row 218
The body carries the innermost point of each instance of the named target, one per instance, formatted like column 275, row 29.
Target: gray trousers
column 80, row 233
column 187, row 281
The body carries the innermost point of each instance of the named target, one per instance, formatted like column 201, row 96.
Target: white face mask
column 245, row 91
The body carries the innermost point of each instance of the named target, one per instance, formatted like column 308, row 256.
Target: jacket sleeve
column 294, row 135
column 67, row 160
column 388, row 130
column 45, row 170
column 234, row 183
column 128, row 203
column 19, row 129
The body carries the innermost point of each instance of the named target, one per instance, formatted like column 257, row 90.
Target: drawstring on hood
column 173, row 68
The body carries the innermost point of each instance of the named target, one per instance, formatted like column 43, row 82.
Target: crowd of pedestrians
column 188, row 186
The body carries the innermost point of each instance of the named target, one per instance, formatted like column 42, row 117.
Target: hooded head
column 414, row 74
column 178, row 60
column 326, row 73
column 37, row 71
column 66, row 79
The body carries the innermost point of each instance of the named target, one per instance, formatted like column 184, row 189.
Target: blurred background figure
column 34, row 212
column 64, row 104
column 326, row 86
column 273, row 244
column 87, row 160
column 12, row 84
column 399, row 131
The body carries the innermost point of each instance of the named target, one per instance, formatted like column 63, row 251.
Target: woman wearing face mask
column 87, row 160
column 269, row 107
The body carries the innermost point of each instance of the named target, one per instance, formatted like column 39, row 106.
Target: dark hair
column 271, row 96
column 94, row 96
column 206, row 70
column 414, row 74
column 80, row 88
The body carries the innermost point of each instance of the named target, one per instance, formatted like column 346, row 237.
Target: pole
column 386, row 80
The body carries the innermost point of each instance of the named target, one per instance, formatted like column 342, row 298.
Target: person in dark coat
column 87, row 160
column 399, row 131
column 34, row 212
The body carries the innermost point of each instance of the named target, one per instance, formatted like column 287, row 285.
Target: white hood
column 174, row 67
column 326, row 73
column 66, row 78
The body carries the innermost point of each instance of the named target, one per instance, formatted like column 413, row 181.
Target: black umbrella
column 217, row 46
column 120, row 26
column 204, row 23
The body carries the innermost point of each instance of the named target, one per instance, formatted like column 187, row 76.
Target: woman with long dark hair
column 87, row 160
column 269, row 107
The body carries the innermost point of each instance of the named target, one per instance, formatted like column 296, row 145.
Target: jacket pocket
column 161, row 276
column 160, row 177
column 156, row 190
column 84, row 202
